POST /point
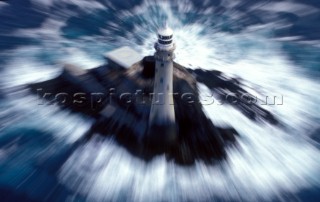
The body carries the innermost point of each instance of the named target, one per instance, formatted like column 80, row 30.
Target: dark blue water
column 274, row 46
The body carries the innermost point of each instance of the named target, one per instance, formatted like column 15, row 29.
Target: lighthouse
column 162, row 127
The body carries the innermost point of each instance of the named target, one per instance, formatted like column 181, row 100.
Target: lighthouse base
column 162, row 135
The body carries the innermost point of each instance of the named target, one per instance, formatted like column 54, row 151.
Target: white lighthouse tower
column 162, row 127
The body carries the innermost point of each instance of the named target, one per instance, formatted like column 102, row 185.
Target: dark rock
column 148, row 67
column 66, row 90
column 123, row 109
column 219, row 84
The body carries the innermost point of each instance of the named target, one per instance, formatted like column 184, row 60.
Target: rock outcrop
column 120, row 100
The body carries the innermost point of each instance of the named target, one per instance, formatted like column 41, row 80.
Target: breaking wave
column 251, row 44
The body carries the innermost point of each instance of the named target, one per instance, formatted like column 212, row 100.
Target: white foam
column 32, row 111
column 3, row 4
column 85, row 5
column 285, row 6
column 270, row 160
column 26, row 70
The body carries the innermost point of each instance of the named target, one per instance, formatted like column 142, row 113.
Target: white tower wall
column 162, row 127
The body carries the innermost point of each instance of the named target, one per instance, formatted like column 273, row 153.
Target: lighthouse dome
column 166, row 31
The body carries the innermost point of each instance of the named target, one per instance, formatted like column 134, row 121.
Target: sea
column 271, row 46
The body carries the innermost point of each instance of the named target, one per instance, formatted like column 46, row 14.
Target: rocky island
column 122, row 103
